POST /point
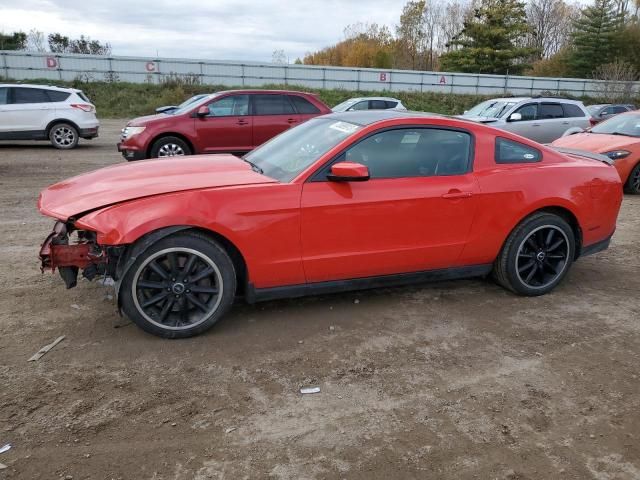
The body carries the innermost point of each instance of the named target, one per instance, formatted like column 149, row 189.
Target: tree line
column 538, row 37
column 36, row 41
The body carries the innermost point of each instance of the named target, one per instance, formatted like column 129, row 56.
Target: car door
column 27, row 111
column 272, row 114
column 552, row 122
column 413, row 214
column 527, row 125
column 227, row 127
column 6, row 123
column 304, row 108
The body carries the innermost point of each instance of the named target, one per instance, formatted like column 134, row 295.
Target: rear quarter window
column 509, row 152
column 55, row 96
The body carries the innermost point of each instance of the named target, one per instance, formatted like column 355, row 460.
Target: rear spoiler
column 582, row 153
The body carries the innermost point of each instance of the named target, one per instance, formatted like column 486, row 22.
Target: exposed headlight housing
column 128, row 132
column 617, row 154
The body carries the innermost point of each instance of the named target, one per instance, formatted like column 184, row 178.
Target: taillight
column 85, row 107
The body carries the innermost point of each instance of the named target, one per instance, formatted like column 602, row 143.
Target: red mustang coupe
column 344, row 201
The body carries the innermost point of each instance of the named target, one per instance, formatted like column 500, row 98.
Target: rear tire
column 63, row 136
column 170, row 147
column 632, row 185
column 536, row 256
column 180, row 286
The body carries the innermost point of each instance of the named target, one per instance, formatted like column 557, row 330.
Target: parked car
column 234, row 121
column 189, row 101
column 538, row 118
column 608, row 110
column 41, row 112
column 344, row 201
column 619, row 139
column 369, row 103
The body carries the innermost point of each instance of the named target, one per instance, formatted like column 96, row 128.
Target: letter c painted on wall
column 150, row 66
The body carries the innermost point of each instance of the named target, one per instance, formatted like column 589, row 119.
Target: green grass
column 127, row 100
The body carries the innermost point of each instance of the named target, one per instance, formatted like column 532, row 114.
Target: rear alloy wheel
column 63, row 136
column 536, row 256
column 633, row 182
column 179, row 287
column 170, row 147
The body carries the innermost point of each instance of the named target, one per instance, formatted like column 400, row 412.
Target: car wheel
column 536, row 256
column 179, row 287
column 63, row 136
column 633, row 182
column 170, row 147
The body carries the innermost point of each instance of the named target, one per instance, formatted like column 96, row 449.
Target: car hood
column 596, row 142
column 142, row 121
column 123, row 182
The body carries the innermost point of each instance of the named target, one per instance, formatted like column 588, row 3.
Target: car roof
column 358, row 99
column 368, row 117
column 257, row 90
column 46, row 87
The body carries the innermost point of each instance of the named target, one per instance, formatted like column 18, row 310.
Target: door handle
column 453, row 194
column 535, row 125
column 242, row 122
column 565, row 123
column 292, row 120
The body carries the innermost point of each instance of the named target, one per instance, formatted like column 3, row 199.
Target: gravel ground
column 454, row 380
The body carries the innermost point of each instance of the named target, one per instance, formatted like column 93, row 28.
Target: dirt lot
column 445, row 381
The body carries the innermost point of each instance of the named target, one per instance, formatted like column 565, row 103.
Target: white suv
column 39, row 112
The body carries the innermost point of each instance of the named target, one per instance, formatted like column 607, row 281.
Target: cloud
column 214, row 29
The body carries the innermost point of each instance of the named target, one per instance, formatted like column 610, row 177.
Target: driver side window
column 413, row 152
column 528, row 112
column 232, row 105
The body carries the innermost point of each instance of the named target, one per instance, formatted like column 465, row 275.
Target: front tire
column 64, row 136
column 536, row 256
column 632, row 185
column 170, row 147
column 180, row 286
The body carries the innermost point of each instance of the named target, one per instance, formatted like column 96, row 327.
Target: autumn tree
column 491, row 40
column 411, row 35
column 552, row 23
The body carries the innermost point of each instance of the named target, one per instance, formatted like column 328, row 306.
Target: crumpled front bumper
column 57, row 252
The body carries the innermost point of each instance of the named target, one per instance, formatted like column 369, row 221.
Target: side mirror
column 515, row 117
column 203, row 111
column 348, row 172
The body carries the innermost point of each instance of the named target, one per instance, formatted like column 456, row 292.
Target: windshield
column 344, row 106
column 490, row 108
column 626, row 124
column 593, row 109
column 287, row 155
column 189, row 103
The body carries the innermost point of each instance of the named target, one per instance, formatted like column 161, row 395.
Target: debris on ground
column 5, row 448
column 107, row 281
column 75, row 306
column 2, row 466
column 231, row 429
column 356, row 301
column 332, row 328
column 40, row 353
column 309, row 390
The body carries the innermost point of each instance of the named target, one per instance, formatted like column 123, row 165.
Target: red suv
column 234, row 121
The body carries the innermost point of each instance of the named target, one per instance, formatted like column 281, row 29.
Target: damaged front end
column 70, row 250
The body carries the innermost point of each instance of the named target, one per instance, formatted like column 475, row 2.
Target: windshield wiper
column 254, row 167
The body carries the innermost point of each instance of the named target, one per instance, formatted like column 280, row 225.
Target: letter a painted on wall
column 443, row 80
column 51, row 62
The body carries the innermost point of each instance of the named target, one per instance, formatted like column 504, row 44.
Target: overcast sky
column 212, row 29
